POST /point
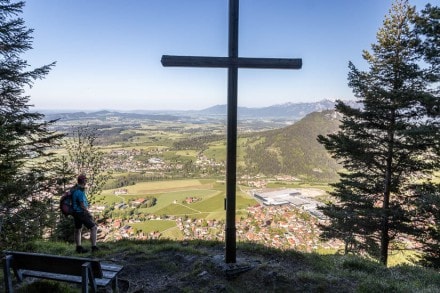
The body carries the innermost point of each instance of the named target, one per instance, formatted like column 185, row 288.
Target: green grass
column 187, row 153
column 177, row 210
column 108, row 199
column 153, row 188
column 220, row 215
column 399, row 257
column 436, row 178
column 300, row 184
column 210, row 204
column 172, row 233
column 171, row 194
column 170, row 197
column 216, row 151
column 48, row 286
column 154, row 225
column 243, row 201
column 165, row 200
column 272, row 270
column 158, row 186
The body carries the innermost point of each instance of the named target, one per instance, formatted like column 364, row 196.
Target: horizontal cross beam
column 226, row 62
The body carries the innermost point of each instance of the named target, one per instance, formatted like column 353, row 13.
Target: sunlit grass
column 216, row 151
column 154, row 225
column 142, row 188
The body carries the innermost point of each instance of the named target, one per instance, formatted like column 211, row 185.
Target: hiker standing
column 82, row 216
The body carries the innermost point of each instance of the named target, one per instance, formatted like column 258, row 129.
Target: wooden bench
column 78, row 270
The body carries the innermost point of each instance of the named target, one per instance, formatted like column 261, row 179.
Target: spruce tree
column 25, row 139
column 428, row 26
column 387, row 145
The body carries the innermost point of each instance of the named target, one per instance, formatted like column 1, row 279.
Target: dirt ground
column 171, row 271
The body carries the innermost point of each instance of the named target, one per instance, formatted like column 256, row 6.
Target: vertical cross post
column 231, row 151
column 232, row 63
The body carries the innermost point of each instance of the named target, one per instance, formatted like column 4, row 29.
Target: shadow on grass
column 198, row 266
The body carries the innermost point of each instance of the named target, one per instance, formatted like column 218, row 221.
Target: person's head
column 82, row 180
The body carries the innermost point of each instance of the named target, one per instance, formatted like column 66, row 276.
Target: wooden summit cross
column 232, row 63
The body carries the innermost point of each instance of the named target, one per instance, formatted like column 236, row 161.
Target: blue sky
column 108, row 52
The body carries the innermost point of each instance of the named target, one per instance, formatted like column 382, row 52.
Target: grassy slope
column 198, row 266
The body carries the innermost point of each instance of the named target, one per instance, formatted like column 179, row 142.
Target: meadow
column 209, row 198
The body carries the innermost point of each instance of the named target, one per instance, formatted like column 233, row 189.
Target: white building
column 278, row 197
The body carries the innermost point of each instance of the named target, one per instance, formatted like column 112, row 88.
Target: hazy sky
column 108, row 52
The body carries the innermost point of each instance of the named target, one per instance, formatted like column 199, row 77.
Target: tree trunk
column 385, row 238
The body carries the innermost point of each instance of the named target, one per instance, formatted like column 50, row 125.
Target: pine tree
column 388, row 144
column 25, row 159
column 428, row 26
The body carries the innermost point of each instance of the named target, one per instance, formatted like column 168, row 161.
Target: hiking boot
column 95, row 248
column 81, row 249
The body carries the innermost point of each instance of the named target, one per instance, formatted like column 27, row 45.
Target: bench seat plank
column 53, row 263
column 110, row 267
column 101, row 282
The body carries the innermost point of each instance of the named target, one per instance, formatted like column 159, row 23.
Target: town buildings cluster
column 283, row 221
column 149, row 160
column 282, row 227
column 124, row 160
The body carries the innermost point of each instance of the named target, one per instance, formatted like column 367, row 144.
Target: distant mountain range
column 289, row 111
column 100, row 115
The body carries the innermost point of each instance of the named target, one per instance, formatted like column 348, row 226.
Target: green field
column 171, row 194
column 148, row 188
column 216, row 151
column 154, row 225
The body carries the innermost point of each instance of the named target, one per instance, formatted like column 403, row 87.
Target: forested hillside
column 294, row 150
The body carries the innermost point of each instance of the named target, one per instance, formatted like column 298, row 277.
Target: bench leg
column 87, row 277
column 115, row 286
column 7, row 274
